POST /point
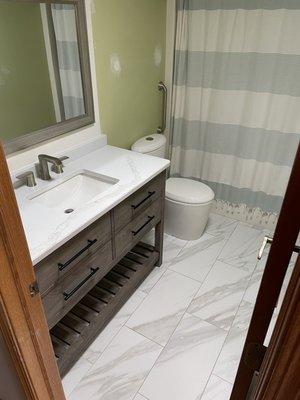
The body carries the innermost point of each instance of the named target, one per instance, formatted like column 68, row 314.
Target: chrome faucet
column 57, row 165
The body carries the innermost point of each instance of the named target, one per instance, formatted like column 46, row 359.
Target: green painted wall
column 25, row 94
column 129, row 40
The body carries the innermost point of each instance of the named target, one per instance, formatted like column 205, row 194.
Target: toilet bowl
column 188, row 202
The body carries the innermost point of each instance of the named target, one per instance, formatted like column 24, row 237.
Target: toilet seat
column 188, row 191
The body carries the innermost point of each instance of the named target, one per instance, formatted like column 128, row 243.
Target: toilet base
column 186, row 221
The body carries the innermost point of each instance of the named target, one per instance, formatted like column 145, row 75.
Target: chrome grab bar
column 163, row 88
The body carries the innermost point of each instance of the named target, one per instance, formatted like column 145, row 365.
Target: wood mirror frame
column 52, row 131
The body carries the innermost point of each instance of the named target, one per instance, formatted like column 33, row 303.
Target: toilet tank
column 154, row 145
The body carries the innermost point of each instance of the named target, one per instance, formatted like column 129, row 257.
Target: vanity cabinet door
column 133, row 232
column 75, row 251
column 139, row 201
column 73, row 287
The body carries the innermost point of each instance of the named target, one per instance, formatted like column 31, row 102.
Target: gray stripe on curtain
column 234, row 195
column 237, row 4
column 68, row 55
column 272, row 73
column 243, row 142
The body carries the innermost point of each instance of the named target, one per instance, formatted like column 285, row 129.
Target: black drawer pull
column 73, row 291
column 61, row 266
column 150, row 194
column 143, row 226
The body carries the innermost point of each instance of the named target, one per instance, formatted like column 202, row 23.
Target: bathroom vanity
column 86, row 281
column 89, row 262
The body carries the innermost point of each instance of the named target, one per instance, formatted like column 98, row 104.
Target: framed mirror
column 45, row 78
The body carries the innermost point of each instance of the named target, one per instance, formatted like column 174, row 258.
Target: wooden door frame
column 22, row 319
column 280, row 371
column 284, row 240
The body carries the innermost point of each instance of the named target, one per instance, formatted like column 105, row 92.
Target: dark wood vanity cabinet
column 87, row 280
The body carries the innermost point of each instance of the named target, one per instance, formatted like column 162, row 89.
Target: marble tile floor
column 181, row 334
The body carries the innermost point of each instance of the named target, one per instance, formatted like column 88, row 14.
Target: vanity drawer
column 136, row 229
column 139, row 201
column 50, row 270
column 74, row 286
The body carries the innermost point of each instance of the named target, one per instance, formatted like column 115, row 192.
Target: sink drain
column 69, row 210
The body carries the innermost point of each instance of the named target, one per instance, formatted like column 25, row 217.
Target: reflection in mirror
column 40, row 69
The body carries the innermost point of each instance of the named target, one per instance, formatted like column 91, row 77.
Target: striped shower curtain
column 236, row 100
column 64, row 22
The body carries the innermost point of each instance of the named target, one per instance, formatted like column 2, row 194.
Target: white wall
column 70, row 140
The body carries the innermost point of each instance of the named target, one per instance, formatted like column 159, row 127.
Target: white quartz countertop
column 47, row 229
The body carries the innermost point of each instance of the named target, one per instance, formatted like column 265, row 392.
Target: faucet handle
column 63, row 158
column 58, row 169
column 28, row 177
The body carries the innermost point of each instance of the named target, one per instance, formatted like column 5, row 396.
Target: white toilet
column 188, row 202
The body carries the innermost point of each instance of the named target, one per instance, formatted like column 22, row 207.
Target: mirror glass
column 40, row 69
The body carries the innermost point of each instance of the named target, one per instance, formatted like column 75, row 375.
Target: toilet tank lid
column 188, row 191
column 149, row 143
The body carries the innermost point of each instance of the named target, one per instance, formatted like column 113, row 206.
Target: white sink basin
column 75, row 191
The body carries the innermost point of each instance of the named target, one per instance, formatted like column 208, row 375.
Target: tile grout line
column 146, row 398
column 210, row 376
column 213, row 367
column 146, row 337
column 167, row 269
column 221, row 329
column 217, row 258
column 224, row 380
column 217, row 358
column 231, row 265
column 230, row 329
column 211, row 372
column 185, row 276
column 163, row 348
column 226, row 241
column 168, row 263
column 148, row 373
